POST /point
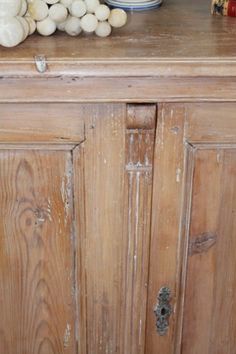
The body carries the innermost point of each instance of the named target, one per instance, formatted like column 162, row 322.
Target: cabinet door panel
column 194, row 229
column 210, row 306
column 36, row 253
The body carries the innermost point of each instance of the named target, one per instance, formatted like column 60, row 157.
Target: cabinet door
column 75, row 205
column 194, row 231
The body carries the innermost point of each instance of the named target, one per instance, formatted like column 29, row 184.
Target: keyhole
column 163, row 311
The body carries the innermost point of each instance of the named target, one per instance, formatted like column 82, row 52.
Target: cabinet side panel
column 36, row 253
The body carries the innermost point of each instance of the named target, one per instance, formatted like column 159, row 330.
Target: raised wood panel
column 193, row 228
column 37, row 277
column 36, row 123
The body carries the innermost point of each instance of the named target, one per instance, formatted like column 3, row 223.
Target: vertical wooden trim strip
column 166, row 215
column 140, row 135
column 80, row 239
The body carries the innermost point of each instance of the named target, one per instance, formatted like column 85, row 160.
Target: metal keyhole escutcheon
column 163, row 310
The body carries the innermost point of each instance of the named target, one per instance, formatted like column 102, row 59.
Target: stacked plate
column 135, row 5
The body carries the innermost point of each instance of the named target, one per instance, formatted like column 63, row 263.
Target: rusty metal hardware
column 163, row 310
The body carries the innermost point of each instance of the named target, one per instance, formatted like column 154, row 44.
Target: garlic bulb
column 89, row 23
column 61, row 25
column 78, row 8
column 38, row 10
column 51, row 2
column 91, row 5
column 31, row 23
column 58, row 13
column 117, row 18
column 102, row 12
column 46, row 27
column 11, row 32
column 9, row 8
column 103, row 29
column 66, row 3
column 23, row 9
column 20, row 18
column 73, row 26
column 24, row 25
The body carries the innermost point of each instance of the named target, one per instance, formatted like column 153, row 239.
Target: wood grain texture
column 166, row 214
column 36, row 253
column 209, row 323
column 37, row 123
column 148, row 45
column 140, row 136
column 114, row 182
column 132, row 89
column 103, row 237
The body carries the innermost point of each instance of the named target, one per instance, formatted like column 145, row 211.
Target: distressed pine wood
column 103, row 237
column 152, row 43
column 166, row 213
column 119, row 89
column 140, row 135
column 198, row 264
column 37, row 123
column 36, row 253
column 114, row 181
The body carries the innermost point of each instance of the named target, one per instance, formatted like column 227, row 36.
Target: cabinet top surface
column 165, row 40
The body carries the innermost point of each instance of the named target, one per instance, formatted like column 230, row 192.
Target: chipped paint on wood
column 66, row 188
column 67, row 335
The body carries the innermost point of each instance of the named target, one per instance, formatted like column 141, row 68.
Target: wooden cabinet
column 102, row 210
column 117, row 188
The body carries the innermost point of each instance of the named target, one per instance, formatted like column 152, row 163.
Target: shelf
column 180, row 38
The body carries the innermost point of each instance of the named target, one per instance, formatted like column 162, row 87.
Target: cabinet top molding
column 180, row 39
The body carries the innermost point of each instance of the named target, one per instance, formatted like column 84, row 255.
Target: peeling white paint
column 66, row 192
column 178, row 175
column 67, row 335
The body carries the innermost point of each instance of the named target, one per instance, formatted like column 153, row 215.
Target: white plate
column 135, row 3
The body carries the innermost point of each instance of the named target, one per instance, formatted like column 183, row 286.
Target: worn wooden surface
column 181, row 38
column 36, row 253
column 193, row 228
column 115, row 177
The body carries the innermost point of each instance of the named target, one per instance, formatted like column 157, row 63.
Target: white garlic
column 38, row 10
column 23, row 8
column 78, row 8
column 24, row 25
column 103, row 29
column 91, row 5
column 61, row 25
column 31, row 23
column 58, row 13
column 73, row 26
column 11, row 32
column 66, row 3
column 51, row 2
column 9, row 8
column 46, row 27
column 89, row 23
column 102, row 12
column 117, row 18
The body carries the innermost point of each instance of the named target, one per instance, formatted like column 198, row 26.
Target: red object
column 232, row 8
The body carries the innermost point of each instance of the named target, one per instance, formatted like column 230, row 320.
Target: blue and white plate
column 135, row 5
